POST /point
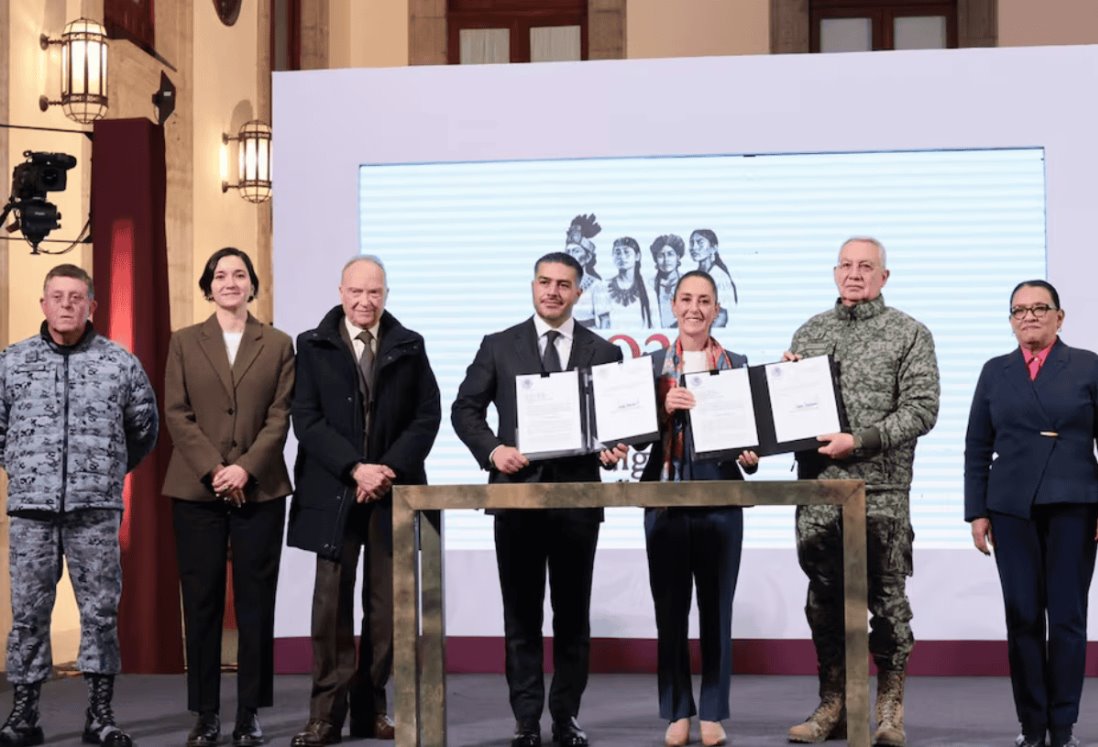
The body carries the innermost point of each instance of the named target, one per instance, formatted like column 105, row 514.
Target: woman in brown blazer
column 227, row 395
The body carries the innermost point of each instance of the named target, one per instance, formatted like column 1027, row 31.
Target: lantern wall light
column 83, row 71
column 253, row 144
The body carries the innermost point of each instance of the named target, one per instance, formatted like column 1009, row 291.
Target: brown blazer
column 220, row 416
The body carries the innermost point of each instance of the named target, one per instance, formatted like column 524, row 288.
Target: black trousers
column 527, row 543
column 688, row 546
column 338, row 682
column 204, row 531
column 1045, row 566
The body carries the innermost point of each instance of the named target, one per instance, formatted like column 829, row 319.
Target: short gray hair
column 869, row 240
column 70, row 271
column 366, row 258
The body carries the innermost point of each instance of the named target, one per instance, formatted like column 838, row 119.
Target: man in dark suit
column 365, row 412
column 528, row 541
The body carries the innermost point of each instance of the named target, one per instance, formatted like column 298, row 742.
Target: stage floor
column 618, row 710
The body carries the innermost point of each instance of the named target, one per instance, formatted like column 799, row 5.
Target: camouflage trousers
column 88, row 541
column 888, row 547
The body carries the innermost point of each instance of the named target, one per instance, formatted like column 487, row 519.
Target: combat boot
column 99, row 725
column 828, row 721
column 22, row 729
column 890, row 710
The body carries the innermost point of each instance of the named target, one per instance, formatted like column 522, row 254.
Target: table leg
column 405, row 623
column 855, row 569
column 432, row 651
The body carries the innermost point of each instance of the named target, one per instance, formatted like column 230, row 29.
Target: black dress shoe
column 247, row 732
column 206, row 731
column 527, row 734
column 569, row 734
column 374, row 726
column 316, row 733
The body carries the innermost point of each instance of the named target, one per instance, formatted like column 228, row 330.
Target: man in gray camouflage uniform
column 888, row 378
column 76, row 414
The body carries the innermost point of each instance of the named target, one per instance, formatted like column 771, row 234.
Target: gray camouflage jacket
column 73, row 421
column 888, row 378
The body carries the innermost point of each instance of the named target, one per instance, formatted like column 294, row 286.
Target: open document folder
column 586, row 410
column 770, row 409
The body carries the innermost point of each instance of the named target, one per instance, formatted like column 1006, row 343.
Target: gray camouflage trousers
column 88, row 541
column 888, row 546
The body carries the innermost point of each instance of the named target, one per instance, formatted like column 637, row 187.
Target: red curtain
column 130, row 268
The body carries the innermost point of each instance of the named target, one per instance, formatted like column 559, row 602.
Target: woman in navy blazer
column 688, row 546
column 1031, row 491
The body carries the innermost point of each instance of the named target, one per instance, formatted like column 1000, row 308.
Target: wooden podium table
column 419, row 634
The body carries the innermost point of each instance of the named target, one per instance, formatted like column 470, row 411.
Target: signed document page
column 802, row 399
column 549, row 417
column 624, row 401
column 723, row 417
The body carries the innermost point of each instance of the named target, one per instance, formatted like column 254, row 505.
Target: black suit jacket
column 1008, row 416
column 490, row 379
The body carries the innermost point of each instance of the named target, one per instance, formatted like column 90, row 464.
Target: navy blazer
column 1032, row 441
column 490, row 379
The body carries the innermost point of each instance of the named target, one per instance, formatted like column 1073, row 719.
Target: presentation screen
column 961, row 228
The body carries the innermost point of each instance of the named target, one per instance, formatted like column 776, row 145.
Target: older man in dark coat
column 366, row 412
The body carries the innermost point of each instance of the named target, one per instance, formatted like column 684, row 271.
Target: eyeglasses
column 1039, row 311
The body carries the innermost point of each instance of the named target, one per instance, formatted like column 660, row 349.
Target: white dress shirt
column 564, row 342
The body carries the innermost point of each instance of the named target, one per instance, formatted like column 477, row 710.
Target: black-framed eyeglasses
column 1039, row 311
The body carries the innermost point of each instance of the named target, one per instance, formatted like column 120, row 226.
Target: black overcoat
column 328, row 421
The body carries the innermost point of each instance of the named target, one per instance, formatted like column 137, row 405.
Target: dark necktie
column 366, row 360
column 550, row 359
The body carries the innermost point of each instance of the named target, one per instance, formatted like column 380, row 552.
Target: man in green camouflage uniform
column 889, row 383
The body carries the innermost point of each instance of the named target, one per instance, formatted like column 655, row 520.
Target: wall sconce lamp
column 254, row 156
column 83, row 71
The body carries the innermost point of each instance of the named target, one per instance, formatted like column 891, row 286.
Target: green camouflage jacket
column 889, row 384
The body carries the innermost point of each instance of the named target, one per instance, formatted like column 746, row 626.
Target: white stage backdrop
column 446, row 230
column 459, row 178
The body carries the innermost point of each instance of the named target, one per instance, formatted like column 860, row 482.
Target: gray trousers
column 88, row 541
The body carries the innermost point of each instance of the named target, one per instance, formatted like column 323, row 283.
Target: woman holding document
column 688, row 546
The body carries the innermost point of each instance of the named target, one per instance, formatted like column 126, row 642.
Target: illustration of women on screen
column 593, row 307
column 667, row 252
column 628, row 297
column 704, row 249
